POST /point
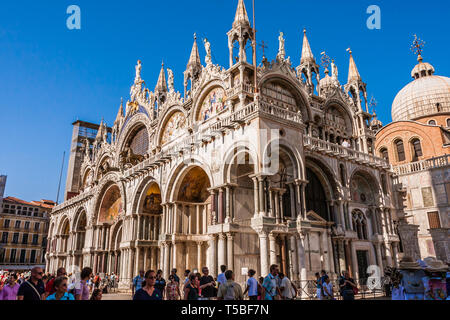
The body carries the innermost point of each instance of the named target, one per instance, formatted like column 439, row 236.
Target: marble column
column 198, row 220
column 227, row 204
column 174, row 255
column 230, row 251
column 213, row 206
column 130, row 264
column 222, row 253
column 379, row 256
column 388, row 254
column 166, row 260
column 220, row 205
column 332, row 267
column 271, row 204
column 256, row 194
column 213, row 255
column 137, row 264
column 175, row 219
column 263, row 253
column 301, row 261
column 292, row 199
column 262, row 197
column 356, row 274
column 294, row 254
column 199, row 255
column 325, row 251
column 273, row 248
column 395, row 254
column 277, row 206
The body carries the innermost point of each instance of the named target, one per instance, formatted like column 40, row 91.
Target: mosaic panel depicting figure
column 139, row 144
column 111, row 206
column 152, row 201
column 361, row 190
column 214, row 103
column 174, row 127
column 194, row 187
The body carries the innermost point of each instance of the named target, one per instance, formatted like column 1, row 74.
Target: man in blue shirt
column 271, row 291
column 137, row 281
column 221, row 279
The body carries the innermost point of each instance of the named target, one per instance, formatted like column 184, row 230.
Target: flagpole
column 60, row 177
column 254, row 50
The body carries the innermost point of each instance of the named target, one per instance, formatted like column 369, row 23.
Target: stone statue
column 208, row 59
column 170, row 80
column 138, row 70
column 334, row 70
column 281, row 51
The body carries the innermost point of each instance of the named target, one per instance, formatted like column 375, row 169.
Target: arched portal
column 109, row 211
column 80, row 236
column 115, row 263
column 187, row 218
column 316, row 199
column 149, row 221
column 111, row 205
column 240, row 208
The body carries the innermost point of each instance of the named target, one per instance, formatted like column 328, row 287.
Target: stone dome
column 426, row 95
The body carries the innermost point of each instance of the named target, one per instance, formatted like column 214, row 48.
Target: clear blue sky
column 51, row 76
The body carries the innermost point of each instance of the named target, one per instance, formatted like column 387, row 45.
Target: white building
column 234, row 173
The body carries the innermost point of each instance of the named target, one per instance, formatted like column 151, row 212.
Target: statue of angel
column 138, row 70
column 208, row 58
column 170, row 80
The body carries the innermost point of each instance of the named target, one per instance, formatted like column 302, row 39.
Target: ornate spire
column 307, row 55
column 194, row 59
column 241, row 17
column 99, row 136
column 120, row 112
column 161, row 85
column 353, row 73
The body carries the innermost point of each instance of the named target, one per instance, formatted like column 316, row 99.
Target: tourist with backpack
column 230, row 290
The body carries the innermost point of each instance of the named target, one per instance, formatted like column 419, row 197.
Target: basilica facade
column 249, row 166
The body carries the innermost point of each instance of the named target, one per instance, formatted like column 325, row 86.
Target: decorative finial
column 304, row 30
column 417, row 47
column 195, row 35
column 325, row 61
column 349, row 51
column 373, row 104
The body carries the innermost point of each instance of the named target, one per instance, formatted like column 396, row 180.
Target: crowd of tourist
column 413, row 280
column 36, row 285
column 202, row 286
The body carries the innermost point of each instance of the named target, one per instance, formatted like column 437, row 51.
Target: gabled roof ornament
column 307, row 55
column 161, row 85
column 353, row 73
column 241, row 17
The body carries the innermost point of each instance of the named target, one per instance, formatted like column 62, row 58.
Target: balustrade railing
column 322, row 145
column 423, row 165
column 279, row 112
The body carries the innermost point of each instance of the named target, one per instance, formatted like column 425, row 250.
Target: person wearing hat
column 435, row 281
column 412, row 275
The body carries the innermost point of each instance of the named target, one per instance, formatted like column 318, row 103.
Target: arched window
column 400, row 151
column 384, row 154
column 448, row 122
column 416, row 149
column 360, row 224
column 432, row 122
